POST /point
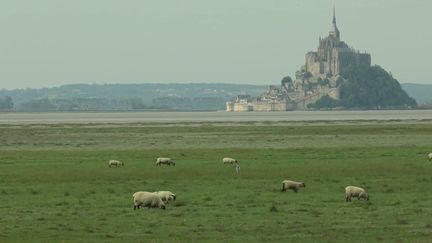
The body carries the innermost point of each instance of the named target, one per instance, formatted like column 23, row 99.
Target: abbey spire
column 334, row 30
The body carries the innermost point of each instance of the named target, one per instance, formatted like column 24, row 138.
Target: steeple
column 334, row 15
column 334, row 30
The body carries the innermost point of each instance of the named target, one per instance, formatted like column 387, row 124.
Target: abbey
column 318, row 77
column 333, row 55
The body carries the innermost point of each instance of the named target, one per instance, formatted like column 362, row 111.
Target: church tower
column 333, row 55
column 334, row 30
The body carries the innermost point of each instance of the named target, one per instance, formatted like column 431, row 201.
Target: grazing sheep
column 354, row 191
column 166, row 196
column 165, row 161
column 115, row 163
column 430, row 156
column 147, row 199
column 229, row 161
column 293, row 185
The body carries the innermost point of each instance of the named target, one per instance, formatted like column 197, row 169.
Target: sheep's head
column 364, row 195
column 303, row 184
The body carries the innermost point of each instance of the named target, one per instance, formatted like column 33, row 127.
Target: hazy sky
column 45, row 43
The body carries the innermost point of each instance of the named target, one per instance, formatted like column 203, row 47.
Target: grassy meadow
column 55, row 185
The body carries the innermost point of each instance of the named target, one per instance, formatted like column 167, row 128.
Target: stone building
column 333, row 55
column 318, row 77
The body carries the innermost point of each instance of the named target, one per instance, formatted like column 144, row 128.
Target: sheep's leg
column 295, row 189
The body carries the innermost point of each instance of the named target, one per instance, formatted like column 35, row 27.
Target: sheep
column 166, row 196
column 293, row 185
column 147, row 199
column 115, row 163
column 354, row 191
column 165, row 161
column 229, row 161
column 430, row 156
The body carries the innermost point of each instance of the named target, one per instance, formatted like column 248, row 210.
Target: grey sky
column 47, row 43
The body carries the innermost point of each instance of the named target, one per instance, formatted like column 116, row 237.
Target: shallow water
column 164, row 117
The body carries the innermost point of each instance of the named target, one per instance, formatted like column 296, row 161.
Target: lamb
column 165, row 161
column 166, row 196
column 430, row 156
column 229, row 161
column 354, row 191
column 147, row 199
column 293, row 185
column 115, row 163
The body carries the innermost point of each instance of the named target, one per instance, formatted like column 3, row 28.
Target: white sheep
column 354, row 191
column 166, row 196
column 147, row 199
column 229, row 161
column 165, row 161
column 115, row 163
column 430, row 156
column 293, row 185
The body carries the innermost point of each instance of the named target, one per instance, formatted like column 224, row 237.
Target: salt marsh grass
column 56, row 186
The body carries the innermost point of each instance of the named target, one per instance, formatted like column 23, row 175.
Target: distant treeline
column 422, row 93
column 120, row 97
column 368, row 88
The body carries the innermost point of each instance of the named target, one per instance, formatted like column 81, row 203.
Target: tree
column 325, row 81
column 6, row 103
column 286, row 80
column 373, row 88
column 324, row 102
column 38, row 105
column 136, row 104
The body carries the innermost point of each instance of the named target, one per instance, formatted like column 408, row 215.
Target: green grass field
column 55, row 185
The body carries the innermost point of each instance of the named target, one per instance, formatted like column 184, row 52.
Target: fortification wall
column 229, row 106
column 269, row 106
column 240, row 107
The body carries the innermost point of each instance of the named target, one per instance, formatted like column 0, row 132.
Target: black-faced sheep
column 165, row 161
column 115, row 163
column 147, row 199
column 354, row 191
column 293, row 185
